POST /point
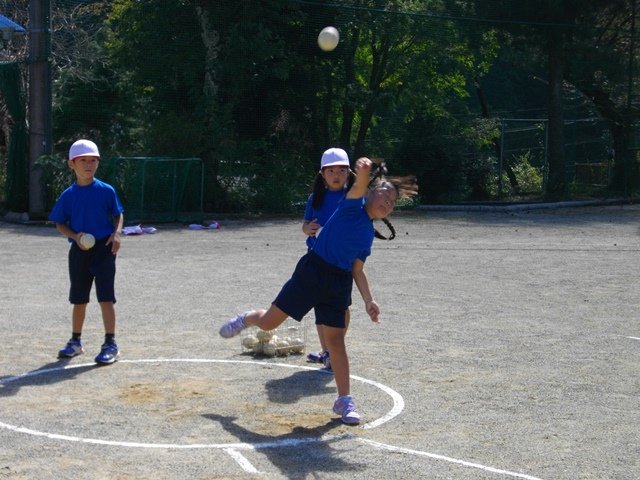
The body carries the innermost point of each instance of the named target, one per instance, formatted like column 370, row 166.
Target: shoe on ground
column 346, row 408
column 315, row 357
column 234, row 326
column 326, row 361
column 71, row 349
column 109, row 353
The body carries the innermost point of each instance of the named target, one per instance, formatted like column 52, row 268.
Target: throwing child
column 324, row 276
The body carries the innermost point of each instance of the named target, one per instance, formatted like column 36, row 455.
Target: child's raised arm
column 363, row 169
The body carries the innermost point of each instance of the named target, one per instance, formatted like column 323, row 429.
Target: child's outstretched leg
column 263, row 319
column 344, row 404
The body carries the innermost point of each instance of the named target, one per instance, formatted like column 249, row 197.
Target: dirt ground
column 509, row 348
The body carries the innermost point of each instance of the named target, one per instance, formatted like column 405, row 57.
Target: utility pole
column 40, row 129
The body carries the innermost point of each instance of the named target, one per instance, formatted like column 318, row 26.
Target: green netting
column 588, row 152
column 424, row 85
column 17, row 183
column 159, row 189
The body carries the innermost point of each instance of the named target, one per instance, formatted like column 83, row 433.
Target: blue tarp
column 10, row 26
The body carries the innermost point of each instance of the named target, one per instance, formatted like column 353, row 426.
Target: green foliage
column 56, row 177
column 17, row 167
column 432, row 154
column 3, row 178
column 85, row 88
column 255, row 176
column 529, row 177
column 243, row 86
column 158, row 56
column 282, row 168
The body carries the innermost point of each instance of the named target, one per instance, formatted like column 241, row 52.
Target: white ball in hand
column 87, row 240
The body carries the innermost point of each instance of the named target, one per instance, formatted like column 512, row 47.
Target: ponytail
column 405, row 187
column 392, row 231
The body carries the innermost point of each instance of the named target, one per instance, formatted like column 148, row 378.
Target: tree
column 601, row 64
column 244, row 86
column 406, row 69
column 593, row 31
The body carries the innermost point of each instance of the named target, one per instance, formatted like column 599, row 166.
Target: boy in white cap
column 90, row 206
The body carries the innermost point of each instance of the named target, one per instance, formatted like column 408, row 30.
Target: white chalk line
column 241, row 460
column 233, row 449
column 634, row 338
column 398, row 401
column 286, row 442
column 436, row 456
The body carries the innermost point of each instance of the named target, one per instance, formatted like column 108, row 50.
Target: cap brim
column 333, row 164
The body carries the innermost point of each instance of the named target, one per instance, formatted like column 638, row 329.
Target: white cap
column 333, row 157
column 82, row 148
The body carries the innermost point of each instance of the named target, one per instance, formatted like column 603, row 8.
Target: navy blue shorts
column 319, row 285
column 85, row 266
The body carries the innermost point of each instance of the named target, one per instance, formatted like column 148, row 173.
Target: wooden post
column 40, row 131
